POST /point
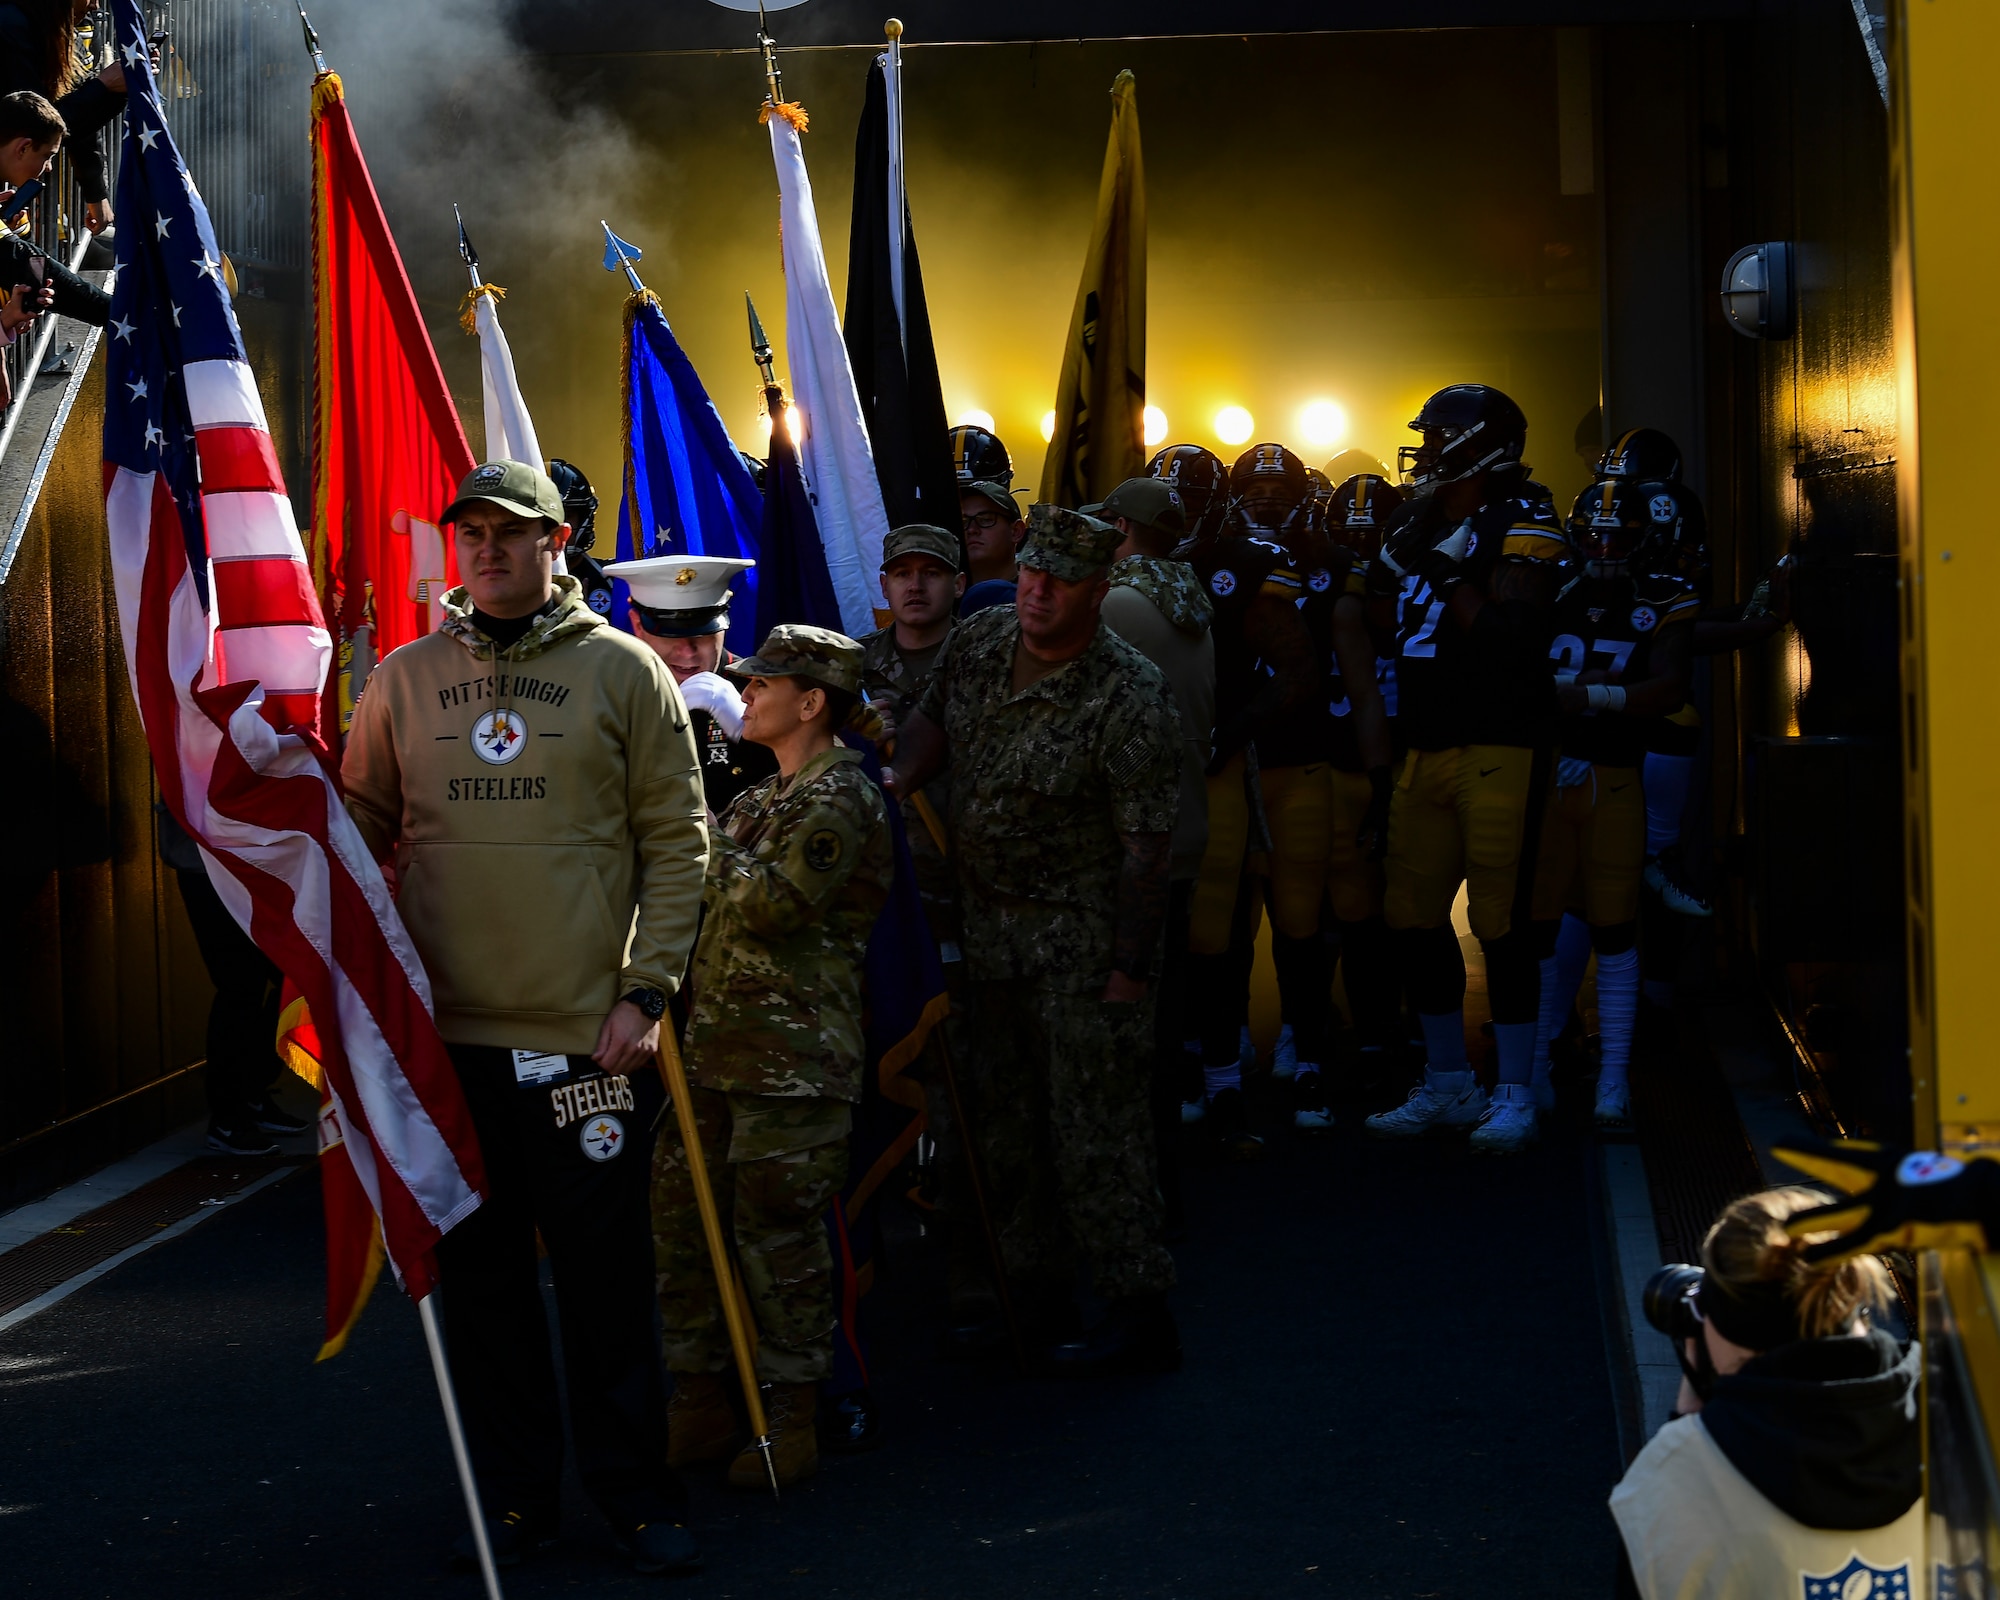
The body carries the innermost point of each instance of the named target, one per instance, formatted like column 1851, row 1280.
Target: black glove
column 1919, row 1200
column 1373, row 834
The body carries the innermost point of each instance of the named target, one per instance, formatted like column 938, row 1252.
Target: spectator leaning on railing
column 38, row 51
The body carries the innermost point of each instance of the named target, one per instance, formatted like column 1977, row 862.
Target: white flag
column 834, row 456
column 510, row 431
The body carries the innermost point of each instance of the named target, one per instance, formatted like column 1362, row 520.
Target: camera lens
column 1668, row 1299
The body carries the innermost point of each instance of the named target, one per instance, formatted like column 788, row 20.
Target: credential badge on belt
column 540, row 1066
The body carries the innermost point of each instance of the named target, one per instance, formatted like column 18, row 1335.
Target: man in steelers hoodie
column 531, row 773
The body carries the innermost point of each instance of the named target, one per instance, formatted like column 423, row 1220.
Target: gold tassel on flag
column 1100, row 420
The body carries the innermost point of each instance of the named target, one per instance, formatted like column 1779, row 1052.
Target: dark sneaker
column 1229, row 1128
column 249, row 1140
column 513, row 1539
column 663, row 1546
column 274, row 1120
column 1137, row 1335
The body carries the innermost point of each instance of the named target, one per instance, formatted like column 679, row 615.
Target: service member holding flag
column 532, row 773
column 802, row 866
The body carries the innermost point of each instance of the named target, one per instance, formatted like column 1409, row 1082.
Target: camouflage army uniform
column 1045, row 783
column 890, row 679
column 798, row 873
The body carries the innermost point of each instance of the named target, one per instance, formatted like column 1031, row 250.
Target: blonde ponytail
column 1748, row 1250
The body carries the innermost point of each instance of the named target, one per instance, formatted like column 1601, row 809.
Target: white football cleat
column 1285, row 1055
column 1310, row 1113
column 1431, row 1110
column 1509, row 1124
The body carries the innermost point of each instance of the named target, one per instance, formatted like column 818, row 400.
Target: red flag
column 228, row 656
column 388, row 450
column 353, row 1235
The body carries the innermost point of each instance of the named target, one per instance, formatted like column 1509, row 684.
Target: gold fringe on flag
column 790, row 110
column 326, row 90
column 468, row 307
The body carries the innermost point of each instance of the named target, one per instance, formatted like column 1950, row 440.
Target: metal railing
column 234, row 79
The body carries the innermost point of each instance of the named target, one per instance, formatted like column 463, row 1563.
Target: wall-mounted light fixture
column 1757, row 291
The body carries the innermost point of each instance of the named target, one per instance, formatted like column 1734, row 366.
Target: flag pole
column 727, row 1287
column 899, row 234
column 312, row 41
column 618, row 254
column 427, row 1314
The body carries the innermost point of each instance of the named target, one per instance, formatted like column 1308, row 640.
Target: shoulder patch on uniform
column 823, row 850
column 1223, row 582
column 1129, row 759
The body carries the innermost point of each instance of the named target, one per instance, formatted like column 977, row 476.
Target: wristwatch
column 651, row 1001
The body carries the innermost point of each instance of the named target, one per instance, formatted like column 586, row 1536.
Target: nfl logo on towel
column 1858, row 1581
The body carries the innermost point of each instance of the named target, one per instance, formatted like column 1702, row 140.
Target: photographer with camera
column 1793, row 1462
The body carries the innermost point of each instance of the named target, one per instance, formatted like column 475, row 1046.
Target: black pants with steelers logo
column 566, row 1157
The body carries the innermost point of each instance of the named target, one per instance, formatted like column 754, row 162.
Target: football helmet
column 579, row 503
column 1466, row 429
column 1641, row 453
column 1359, row 509
column 1615, row 531
column 1352, row 463
column 1683, row 547
column 1203, row 483
column 1272, row 489
column 979, row 457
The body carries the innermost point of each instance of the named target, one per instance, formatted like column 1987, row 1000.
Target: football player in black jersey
column 680, row 609
column 1363, row 774
column 1273, row 498
column 1357, row 741
column 1624, row 627
column 1467, row 575
column 1264, row 672
column 580, row 507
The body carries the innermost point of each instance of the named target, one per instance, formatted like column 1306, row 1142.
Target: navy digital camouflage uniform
column 798, row 871
column 1045, row 782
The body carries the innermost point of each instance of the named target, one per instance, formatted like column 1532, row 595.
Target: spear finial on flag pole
column 619, row 254
column 312, row 41
column 774, row 80
column 760, row 344
column 466, row 253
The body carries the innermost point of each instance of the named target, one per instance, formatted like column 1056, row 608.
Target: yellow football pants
column 1593, row 849
column 1352, row 880
column 1214, row 904
column 1458, row 816
column 1298, row 805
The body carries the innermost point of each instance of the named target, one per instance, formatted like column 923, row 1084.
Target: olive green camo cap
column 798, row 650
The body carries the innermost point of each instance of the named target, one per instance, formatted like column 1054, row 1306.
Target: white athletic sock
column 1617, row 1005
column 1444, row 1043
column 1514, row 1043
column 1219, row 1078
column 1665, row 781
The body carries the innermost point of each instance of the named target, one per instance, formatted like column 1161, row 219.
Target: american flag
column 228, row 653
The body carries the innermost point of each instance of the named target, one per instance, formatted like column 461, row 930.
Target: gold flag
column 1100, row 433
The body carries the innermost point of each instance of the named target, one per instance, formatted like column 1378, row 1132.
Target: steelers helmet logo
column 1223, row 582
column 487, row 476
column 600, row 601
column 1662, row 507
column 499, row 737
column 603, row 1137
column 1644, row 618
column 1320, row 581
